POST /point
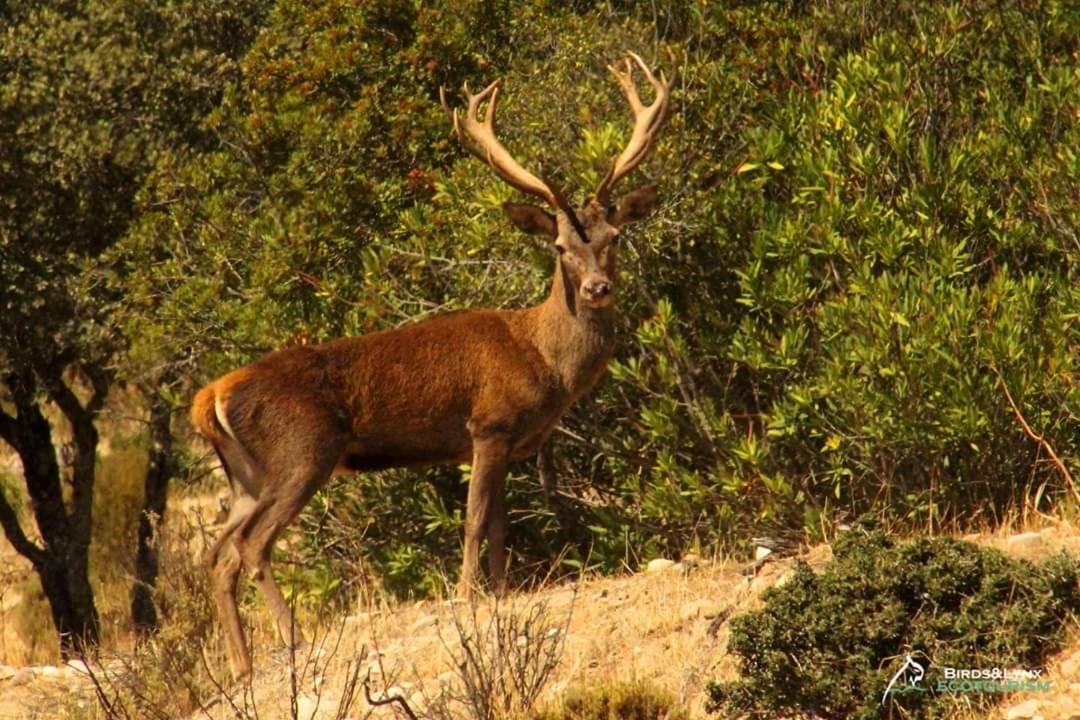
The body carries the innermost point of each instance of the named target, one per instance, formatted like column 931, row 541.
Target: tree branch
column 16, row 536
column 1037, row 437
column 9, row 430
column 63, row 396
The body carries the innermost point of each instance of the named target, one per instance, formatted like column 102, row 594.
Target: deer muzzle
column 597, row 291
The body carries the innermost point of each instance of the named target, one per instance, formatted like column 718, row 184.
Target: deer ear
column 634, row 206
column 531, row 219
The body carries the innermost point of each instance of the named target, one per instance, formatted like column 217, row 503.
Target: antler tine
column 647, row 121
column 478, row 137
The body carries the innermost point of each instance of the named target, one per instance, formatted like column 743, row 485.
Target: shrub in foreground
column 827, row 645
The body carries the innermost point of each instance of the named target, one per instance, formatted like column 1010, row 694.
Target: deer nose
column 597, row 288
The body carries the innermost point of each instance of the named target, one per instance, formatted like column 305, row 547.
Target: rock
column 392, row 692
column 50, row 671
column 699, row 608
column 22, row 676
column 418, row 701
column 1025, row 543
column 6, row 671
column 306, row 707
column 1065, row 705
column 1071, row 665
column 659, row 565
column 79, row 667
column 1024, row 711
column 782, row 580
column 762, row 552
column 423, row 622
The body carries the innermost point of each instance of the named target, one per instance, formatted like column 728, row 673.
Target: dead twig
column 1043, row 443
column 402, row 702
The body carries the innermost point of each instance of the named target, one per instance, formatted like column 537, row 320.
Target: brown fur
column 484, row 386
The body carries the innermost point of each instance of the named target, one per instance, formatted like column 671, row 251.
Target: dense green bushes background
column 869, row 229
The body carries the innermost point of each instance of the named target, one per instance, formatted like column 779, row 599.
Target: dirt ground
column 668, row 626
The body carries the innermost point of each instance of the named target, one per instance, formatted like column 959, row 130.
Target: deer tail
column 207, row 418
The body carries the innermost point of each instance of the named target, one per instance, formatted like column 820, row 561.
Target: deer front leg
column 485, row 514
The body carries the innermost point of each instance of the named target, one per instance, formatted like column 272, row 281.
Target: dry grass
column 662, row 630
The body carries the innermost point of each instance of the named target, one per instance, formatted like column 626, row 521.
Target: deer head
column 586, row 238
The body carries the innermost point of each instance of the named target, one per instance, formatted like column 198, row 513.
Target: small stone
column 306, row 707
column 50, row 671
column 22, row 676
column 762, row 552
column 1025, row 543
column 760, row 583
column 699, row 608
column 1071, row 665
column 1065, row 704
column 659, row 565
column 6, row 671
column 1024, row 711
column 423, row 622
column 79, row 667
column 393, row 691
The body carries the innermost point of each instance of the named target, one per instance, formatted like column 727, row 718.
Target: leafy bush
column 827, row 645
column 868, row 235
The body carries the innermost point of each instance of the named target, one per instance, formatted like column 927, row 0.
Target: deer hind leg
column 496, row 535
column 485, row 514
column 275, row 508
column 223, row 559
column 225, row 574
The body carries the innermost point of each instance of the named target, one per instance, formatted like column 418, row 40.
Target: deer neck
column 575, row 340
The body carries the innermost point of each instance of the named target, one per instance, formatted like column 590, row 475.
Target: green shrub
column 827, row 645
column 620, row 701
column 867, row 233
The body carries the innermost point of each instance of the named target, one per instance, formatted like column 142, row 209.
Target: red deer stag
column 481, row 386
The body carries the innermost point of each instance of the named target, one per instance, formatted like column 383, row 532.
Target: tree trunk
column 158, row 473
column 62, row 561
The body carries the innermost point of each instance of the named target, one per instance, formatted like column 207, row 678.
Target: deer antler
column 647, row 122
column 478, row 137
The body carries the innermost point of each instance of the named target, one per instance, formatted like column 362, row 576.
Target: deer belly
column 368, row 454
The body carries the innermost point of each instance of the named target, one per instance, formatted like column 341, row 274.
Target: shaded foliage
column 90, row 93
